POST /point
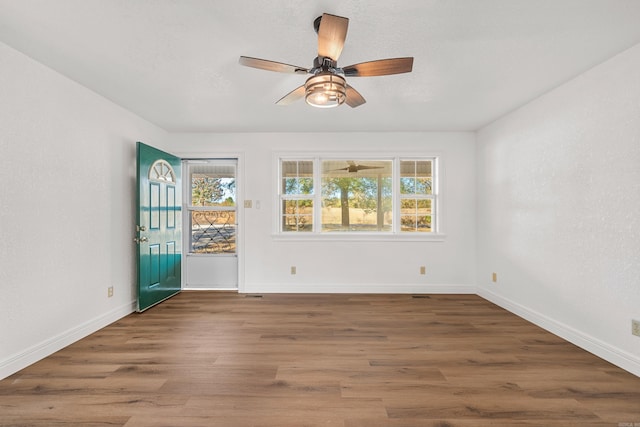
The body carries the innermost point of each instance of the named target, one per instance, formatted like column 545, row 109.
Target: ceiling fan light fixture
column 325, row 90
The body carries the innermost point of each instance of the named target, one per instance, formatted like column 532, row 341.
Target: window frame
column 419, row 196
column 316, row 233
column 298, row 196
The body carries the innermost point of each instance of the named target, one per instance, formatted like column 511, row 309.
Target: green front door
column 158, row 226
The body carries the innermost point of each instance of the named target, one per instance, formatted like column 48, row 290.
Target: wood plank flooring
column 225, row 359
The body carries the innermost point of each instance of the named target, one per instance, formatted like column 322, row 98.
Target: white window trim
column 386, row 236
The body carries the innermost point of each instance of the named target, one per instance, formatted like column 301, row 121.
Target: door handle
column 140, row 240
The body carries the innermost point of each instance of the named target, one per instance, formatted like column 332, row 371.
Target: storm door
column 211, row 213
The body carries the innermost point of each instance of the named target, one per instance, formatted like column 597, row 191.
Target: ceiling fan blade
column 265, row 64
column 381, row 67
column 362, row 167
column 331, row 35
column 292, row 96
column 354, row 99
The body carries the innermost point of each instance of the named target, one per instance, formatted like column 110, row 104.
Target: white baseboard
column 356, row 288
column 16, row 362
column 618, row 357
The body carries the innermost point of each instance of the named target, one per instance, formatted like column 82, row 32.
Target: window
column 297, row 195
column 358, row 195
column 212, row 206
column 416, row 195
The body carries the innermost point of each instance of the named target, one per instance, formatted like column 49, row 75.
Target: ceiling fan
column 354, row 167
column 327, row 86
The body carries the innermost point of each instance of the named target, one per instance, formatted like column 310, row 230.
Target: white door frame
column 239, row 156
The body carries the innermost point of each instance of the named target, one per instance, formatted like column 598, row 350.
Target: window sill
column 359, row 237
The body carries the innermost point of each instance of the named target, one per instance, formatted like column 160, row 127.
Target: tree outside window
column 356, row 197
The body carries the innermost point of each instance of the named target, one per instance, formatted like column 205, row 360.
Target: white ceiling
column 175, row 62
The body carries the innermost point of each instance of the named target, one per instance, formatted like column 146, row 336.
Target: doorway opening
column 210, row 224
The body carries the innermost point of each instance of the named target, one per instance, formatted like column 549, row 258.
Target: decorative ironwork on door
column 213, row 232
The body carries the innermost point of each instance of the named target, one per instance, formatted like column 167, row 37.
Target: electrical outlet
column 293, row 269
column 635, row 327
column 247, row 204
column 110, row 292
column 494, row 277
column 423, row 269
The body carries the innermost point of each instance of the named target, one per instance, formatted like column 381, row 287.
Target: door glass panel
column 213, row 185
column 161, row 171
column 212, row 206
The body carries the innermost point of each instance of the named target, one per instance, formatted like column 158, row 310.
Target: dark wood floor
column 224, row 359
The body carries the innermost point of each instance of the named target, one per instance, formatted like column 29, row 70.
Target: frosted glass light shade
column 325, row 90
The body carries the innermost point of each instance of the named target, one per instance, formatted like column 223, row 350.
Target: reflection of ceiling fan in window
column 354, row 167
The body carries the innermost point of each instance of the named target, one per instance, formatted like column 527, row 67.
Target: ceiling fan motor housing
column 322, row 63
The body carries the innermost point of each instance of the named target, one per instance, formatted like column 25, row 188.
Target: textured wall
column 67, row 168
column 340, row 265
column 559, row 209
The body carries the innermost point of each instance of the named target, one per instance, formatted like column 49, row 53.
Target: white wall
column 67, row 168
column 346, row 266
column 559, row 210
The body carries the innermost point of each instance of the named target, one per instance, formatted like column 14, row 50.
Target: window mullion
column 317, row 196
column 396, row 200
